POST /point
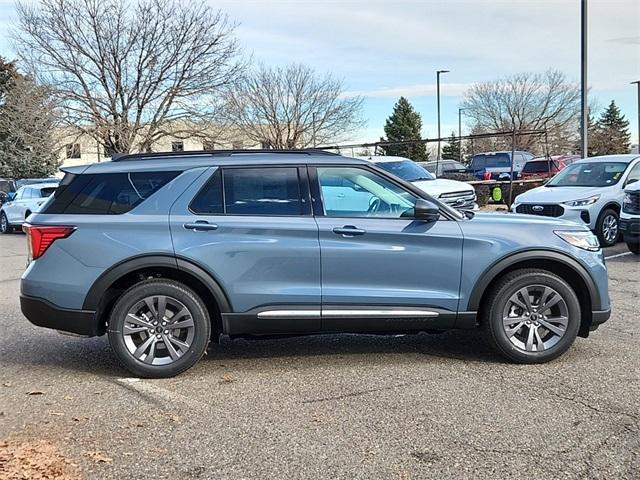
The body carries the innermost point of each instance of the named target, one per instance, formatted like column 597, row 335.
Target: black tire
column 4, row 224
column 604, row 216
column 497, row 301
column 175, row 292
column 634, row 247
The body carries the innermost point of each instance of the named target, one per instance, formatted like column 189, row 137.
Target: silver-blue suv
column 167, row 252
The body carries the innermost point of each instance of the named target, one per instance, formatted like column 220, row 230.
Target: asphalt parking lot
column 428, row 406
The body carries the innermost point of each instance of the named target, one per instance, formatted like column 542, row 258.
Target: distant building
column 77, row 148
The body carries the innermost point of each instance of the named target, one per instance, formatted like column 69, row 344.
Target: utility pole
column 637, row 82
column 438, row 100
column 460, row 110
column 584, row 119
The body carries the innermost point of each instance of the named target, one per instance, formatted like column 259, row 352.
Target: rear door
column 381, row 269
column 15, row 209
column 251, row 228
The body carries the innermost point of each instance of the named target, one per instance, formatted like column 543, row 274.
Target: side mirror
column 426, row 210
column 11, row 196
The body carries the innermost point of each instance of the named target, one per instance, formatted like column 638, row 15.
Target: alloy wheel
column 4, row 225
column 158, row 330
column 535, row 318
column 609, row 228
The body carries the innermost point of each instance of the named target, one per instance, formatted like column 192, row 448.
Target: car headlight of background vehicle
column 580, row 239
column 627, row 199
column 583, row 202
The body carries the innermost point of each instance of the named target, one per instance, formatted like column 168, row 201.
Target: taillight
column 40, row 237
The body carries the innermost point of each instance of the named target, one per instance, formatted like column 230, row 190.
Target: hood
column 557, row 194
column 515, row 221
column 437, row 187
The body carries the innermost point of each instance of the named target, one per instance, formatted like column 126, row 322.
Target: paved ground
column 326, row 407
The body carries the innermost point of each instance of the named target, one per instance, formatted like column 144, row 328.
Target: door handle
column 349, row 231
column 200, row 226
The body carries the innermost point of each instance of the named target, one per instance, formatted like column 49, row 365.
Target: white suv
column 630, row 217
column 27, row 200
column 589, row 191
column 458, row 195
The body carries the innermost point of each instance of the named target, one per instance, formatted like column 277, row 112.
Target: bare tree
column 526, row 101
column 131, row 74
column 293, row 107
column 27, row 121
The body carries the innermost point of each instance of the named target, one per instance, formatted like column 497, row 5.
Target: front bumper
column 630, row 227
column 45, row 314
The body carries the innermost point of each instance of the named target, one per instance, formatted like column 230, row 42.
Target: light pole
column 637, row 82
column 313, row 120
column 584, row 115
column 460, row 110
column 438, row 99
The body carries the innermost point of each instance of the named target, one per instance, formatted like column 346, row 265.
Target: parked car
column 543, row 167
column 456, row 194
column 444, row 167
column 27, row 200
column 589, row 191
column 497, row 165
column 630, row 216
column 165, row 252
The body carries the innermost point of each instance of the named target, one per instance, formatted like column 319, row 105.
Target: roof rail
column 119, row 157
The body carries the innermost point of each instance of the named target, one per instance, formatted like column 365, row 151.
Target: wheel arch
column 112, row 283
column 555, row 262
column 615, row 206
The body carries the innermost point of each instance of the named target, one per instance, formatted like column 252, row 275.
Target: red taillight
column 40, row 237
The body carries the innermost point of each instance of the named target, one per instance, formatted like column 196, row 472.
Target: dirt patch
column 35, row 460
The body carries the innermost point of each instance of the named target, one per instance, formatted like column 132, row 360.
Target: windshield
column 589, row 174
column 406, row 170
column 493, row 160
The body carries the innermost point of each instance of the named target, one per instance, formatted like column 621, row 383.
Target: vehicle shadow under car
column 94, row 356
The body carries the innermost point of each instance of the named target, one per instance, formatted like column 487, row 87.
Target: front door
column 251, row 228
column 382, row 269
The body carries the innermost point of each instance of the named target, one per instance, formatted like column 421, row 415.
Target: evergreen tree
column 451, row 151
column 611, row 133
column 404, row 124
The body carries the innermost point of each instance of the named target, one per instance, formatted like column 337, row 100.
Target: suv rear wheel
column 533, row 316
column 159, row 328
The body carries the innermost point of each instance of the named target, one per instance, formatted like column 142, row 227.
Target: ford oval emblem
column 537, row 208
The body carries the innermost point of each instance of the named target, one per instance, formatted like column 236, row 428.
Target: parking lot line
column 617, row 255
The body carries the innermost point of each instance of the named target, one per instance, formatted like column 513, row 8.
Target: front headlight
column 583, row 201
column 627, row 199
column 580, row 239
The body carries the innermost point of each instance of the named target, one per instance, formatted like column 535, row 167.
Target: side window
column 262, row 191
column 208, row 201
column 634, row 175
column 362, row 193
column 108, row 193
column 19, row 194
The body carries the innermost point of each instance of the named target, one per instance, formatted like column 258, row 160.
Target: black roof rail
column 119, row 157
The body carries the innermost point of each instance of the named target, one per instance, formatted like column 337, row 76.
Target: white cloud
column 418, row 90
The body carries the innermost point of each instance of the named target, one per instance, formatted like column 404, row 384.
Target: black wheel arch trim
column 106, row 279
column 499, row 266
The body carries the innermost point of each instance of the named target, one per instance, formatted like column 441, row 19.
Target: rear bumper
column 45, row 314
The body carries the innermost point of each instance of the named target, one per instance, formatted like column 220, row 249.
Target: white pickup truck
column 458, row 195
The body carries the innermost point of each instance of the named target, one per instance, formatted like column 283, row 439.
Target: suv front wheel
column 607, row 227
column 159, row 328
column 531, row 316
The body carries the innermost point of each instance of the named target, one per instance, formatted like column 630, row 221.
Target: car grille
column 460, row 200
column 537, row 209
column 633, row 206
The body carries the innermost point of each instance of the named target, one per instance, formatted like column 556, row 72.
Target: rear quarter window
column 107, row 193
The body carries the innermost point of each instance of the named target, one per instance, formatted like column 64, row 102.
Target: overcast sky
column 384, row 49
